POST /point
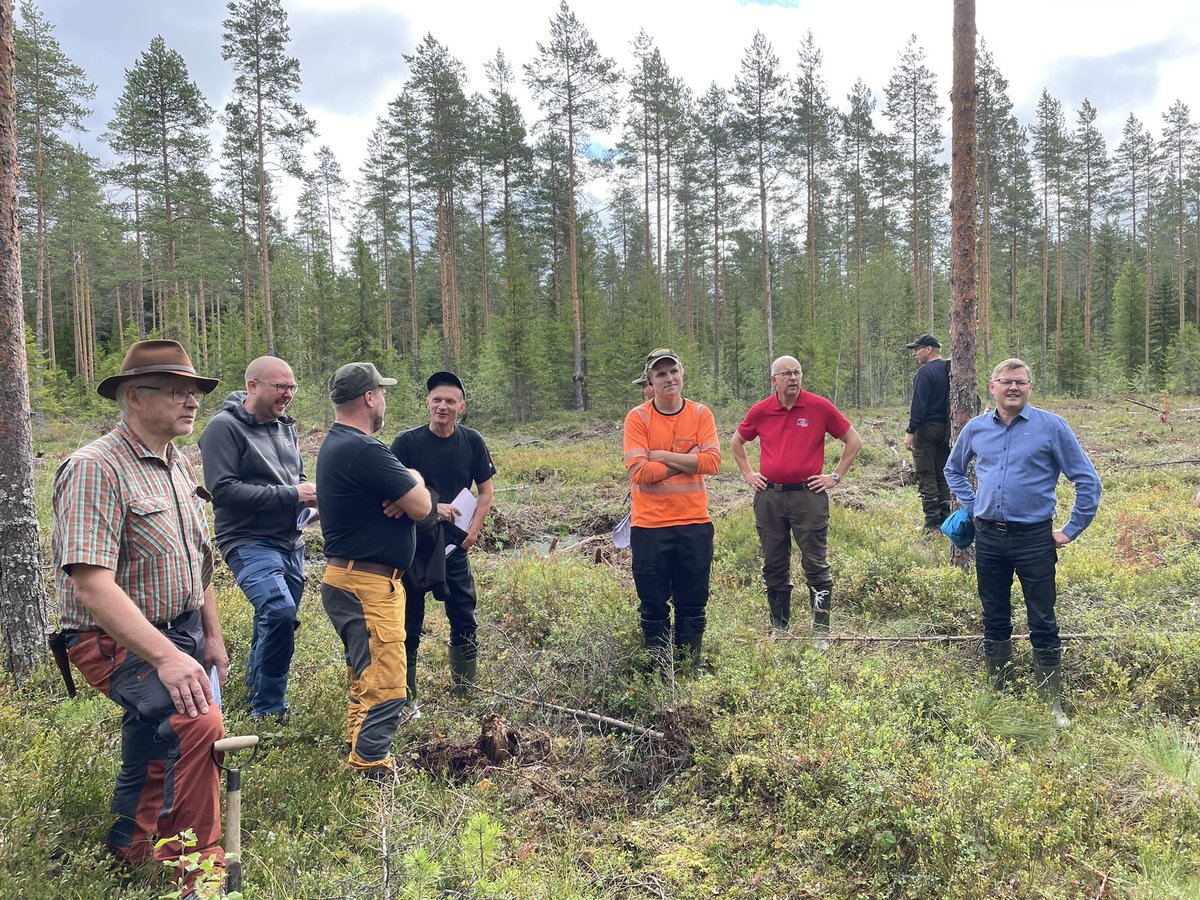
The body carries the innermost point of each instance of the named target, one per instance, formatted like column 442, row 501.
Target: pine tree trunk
column 766, row 257
column 1058, row 292
column 412, row 283
column 50, row 324
column 577, row 374
column 263, row 249
column 985, row 279
column 118, row 324
column 1044, row 374
column 964, row 402
column 1087, row 275
column 444, row 270
column 22, row 594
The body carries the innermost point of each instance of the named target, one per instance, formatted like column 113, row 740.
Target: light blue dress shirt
column 1017, row 467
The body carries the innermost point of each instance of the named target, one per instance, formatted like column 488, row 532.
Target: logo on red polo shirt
column 803, row 423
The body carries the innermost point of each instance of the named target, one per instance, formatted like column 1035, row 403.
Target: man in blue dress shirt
column 1019, row 453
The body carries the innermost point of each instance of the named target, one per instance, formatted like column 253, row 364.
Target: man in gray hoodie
column 253, row 469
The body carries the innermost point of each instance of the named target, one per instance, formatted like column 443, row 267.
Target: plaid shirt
column 119, row 506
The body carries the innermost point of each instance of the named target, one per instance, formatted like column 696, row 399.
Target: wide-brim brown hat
column 154, row 358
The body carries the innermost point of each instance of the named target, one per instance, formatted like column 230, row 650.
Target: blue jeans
column 1029, row 551
column 273, row 582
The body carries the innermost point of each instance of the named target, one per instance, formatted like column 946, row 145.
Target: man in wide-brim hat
column 134, row 564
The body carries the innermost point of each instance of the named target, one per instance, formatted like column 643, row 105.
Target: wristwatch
column 836, row 477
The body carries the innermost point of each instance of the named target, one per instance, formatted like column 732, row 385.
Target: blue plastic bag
column 960, row 529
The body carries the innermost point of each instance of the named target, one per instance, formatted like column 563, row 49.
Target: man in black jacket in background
column 928, row 433
column 253, row 469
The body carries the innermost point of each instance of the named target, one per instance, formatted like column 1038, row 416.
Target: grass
column 871, row 770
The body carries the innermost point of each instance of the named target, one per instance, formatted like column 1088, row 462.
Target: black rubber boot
column 999, row 657
column 821, row 598
column 780, row 604
column 689, row 638
column 933, row 514
column 463, row 665
column 1047, row 667
column 657, row 634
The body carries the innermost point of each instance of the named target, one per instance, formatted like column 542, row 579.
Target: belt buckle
column 1001, row 526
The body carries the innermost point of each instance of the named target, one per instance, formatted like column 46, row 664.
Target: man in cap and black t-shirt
column 451, row 456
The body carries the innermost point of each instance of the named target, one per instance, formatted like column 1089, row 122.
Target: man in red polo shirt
column 790, row 488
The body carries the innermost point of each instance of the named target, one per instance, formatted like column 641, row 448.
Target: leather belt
column 773, row 486
column 1011, row 526
column 352, row 565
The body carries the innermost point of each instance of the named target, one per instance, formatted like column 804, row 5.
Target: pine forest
column 733, row 222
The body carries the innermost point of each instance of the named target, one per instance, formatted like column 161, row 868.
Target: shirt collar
column 139, row 447
column 779, row 403
column 1022, row 413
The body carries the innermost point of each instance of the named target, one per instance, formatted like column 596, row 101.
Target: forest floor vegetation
column 874, row 769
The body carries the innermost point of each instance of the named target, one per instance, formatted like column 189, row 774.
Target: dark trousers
column 781, row 516
column 168, row 781
column 1029, row 551
column 460, row 605
column 931, row 449
column 672, row 563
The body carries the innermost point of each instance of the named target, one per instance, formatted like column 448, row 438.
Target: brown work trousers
column 781, row 516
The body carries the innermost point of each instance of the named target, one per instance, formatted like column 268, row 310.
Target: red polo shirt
column 793, row 440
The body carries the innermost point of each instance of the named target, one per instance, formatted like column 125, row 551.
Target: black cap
column 925, row 340
column 444, row 378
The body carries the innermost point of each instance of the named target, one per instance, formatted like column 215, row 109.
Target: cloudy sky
column 1125, row 59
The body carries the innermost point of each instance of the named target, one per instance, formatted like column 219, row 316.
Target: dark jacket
column 428, row 569
column 252, row 468
column 931, row 395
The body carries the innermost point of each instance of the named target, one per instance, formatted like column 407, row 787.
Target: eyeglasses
column 789, row 373
column 282, row 388
column 177, row 395
column 1012, row 382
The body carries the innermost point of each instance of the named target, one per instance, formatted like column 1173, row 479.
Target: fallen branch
column 583, row 543
column 1140, row 403
column 580, row 714
column 1178, row 462
column 967, row 638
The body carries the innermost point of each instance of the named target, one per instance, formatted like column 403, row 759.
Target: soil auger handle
column 233, row 794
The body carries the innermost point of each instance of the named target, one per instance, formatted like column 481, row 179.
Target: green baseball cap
column 355, row 379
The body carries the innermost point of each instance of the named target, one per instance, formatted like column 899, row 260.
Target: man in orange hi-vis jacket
column 670, row 445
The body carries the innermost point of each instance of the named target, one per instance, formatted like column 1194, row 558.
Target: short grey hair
column 123, row 390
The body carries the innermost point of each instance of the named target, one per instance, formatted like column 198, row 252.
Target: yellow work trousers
column 367, row 611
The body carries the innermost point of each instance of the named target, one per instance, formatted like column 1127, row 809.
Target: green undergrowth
column 874, row 769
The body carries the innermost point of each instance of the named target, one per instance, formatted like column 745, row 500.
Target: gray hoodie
column 252, row 468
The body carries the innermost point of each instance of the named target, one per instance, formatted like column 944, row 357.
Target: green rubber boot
column 463, row 666
column 1047, row 667
column 411, row 711
column 999, row 657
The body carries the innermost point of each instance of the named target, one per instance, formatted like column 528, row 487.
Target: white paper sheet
column 465, row 504
column 215, row 682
